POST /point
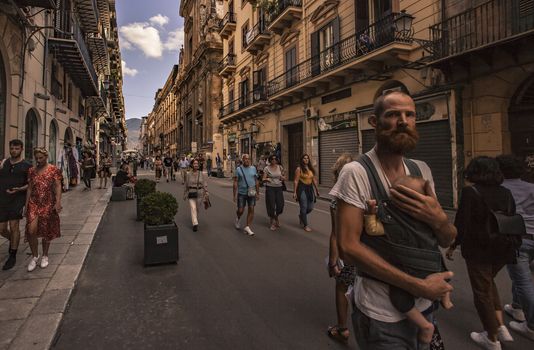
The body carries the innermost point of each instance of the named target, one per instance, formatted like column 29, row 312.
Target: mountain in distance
column 133, row 125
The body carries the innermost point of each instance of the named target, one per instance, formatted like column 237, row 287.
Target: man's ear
column 372, row 121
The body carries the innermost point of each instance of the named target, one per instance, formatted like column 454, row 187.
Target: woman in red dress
column 43, row 204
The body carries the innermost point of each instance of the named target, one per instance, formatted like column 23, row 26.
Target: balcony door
column 231, row 6
column 259, row 79
column 243, row 93
column 291, row 66
column 324, row 47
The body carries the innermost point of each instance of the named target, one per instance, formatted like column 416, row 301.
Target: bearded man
column 380, row 260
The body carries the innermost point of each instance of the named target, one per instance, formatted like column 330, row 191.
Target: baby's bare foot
column 425, row 333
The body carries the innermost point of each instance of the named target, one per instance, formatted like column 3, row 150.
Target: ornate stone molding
column 261, row 58
column 322, row 11
column 289, row 36
column 244, row 71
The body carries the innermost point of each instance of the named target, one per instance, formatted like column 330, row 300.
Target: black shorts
column 11, row 213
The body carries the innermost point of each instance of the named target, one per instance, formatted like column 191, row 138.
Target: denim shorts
column 243, row 199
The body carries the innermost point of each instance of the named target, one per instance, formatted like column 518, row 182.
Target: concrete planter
column 161, row 244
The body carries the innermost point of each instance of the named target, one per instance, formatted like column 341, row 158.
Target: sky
column 150, row 36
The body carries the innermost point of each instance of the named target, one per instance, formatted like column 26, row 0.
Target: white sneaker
column 522, row 328
column 44, row 261
column 482, row 340
column 248, row 231
column 516, row 314
column 33, row 263
column 237, row 224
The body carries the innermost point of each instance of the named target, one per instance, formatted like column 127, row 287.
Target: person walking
column 167, row 161
column 195, row 191
column 13, row 186
column 43, row 205
column 344, row 274
column 218, row 161
column 209, row 162
column 273, row 180
column 184, row 164
column 158, row 167
column 104, row 169
column 378, row 325
column 522, row 307
column 88, row 166
column 246, row 190
column 484, row 255
column 305, row 190
column 175, row 167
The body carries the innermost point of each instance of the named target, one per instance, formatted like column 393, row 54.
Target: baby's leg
column 446, row 301
column 426, row 328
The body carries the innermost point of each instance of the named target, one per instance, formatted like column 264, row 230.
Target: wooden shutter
column 362, row 14
column 336, row 51
column 315, row 59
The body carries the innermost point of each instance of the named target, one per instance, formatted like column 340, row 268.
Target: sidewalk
column 32, row 304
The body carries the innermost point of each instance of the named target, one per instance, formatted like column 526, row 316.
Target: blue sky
column 151, row 33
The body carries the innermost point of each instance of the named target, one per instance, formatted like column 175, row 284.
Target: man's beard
column 398, row 140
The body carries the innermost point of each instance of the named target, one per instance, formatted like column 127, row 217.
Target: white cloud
column 159, row 19
column 127, row 70
column 175, row 40
column 144, row 37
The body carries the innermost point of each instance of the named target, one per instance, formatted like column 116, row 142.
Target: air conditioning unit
column 312, row 113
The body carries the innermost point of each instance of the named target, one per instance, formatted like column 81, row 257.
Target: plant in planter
column 161, row 233
column 143, row 187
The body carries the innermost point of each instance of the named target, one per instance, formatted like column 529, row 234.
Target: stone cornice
column 321, row 11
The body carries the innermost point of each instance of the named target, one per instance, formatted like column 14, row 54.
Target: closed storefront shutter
column 332, row 144
column 434, row 148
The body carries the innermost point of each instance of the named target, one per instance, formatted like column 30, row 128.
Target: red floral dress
column 42, row 202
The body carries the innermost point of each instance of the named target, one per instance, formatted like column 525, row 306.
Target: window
column 325, row 52
column 231, row 101
column 81, row 109
column 244, row 35
column 243, row 93
column 259, row 80
column 338, row 95
column 69, row 96
column 57, row 87
column 291, row 66
column 231, row 48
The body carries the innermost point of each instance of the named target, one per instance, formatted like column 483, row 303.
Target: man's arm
column 348, row 232
column 235, row 188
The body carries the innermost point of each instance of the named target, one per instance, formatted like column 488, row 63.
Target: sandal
column 338, row 333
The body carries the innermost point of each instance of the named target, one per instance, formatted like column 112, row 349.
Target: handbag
column 507, row 224
column 207, row 203
column 251, row 191
column 194, row 194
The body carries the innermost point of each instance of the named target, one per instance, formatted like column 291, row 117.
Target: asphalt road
column 228, row 290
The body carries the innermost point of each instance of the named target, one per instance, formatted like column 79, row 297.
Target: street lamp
column 403, row 23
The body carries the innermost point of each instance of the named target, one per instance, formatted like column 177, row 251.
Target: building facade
column 54, row 65
column 164, row 115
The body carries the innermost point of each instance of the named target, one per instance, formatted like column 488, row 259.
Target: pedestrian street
column 228, row 290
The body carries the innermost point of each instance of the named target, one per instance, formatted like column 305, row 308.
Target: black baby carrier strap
column 408, row 244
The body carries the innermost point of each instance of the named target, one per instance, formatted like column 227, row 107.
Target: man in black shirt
column 167, row 162
column 13, row 185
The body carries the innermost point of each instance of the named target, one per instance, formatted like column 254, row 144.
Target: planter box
column 161, row 244
column 137, row 205
column 118, row 194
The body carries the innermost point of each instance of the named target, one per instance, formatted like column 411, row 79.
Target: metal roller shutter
column 332, row 144
column 434, row 148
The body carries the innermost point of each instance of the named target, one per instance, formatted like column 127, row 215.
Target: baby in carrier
column 402, row 300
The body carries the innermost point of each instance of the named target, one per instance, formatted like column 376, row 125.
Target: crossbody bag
column 194, row 194
column 251, row 191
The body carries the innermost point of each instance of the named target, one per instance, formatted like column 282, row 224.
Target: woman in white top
column 273, row 178
column 195, row 191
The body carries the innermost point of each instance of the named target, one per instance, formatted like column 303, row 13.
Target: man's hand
column 424, row 207
column 434, row 286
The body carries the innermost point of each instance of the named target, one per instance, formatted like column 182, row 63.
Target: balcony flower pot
column 143, row 187
column 160, row 231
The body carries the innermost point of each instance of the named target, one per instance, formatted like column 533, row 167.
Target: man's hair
column 243, row 156
column 16, row 142
column 512, row 167
column 484, row 170
column 378, row 106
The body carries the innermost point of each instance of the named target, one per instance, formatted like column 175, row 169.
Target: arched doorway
column 31, row 133
column 68, row 138
column 521, row 123
column 52, row 142
column 3, row 98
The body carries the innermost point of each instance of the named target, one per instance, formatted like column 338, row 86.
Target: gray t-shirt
column 274, row 176
column 372, row 296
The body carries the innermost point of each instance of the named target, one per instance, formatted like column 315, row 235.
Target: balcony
column 255, row 102
column 88, row 15
column 116, row 97
column 487, row 25
column 380, row 43
column 227, row 25
column 97, row 43
column 257, row 38
column 71, row 52
column 285, row 13
column 46, row 4
column 227, row 65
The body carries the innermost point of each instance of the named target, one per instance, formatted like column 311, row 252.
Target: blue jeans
column 372, row 334
column 522, row 284
column 306, row 206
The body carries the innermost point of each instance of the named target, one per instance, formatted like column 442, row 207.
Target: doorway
column 295, row 147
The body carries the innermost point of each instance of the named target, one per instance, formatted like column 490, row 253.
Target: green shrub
column 144, row 187
column 158, row 208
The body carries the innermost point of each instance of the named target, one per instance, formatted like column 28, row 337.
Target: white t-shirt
column 371, row 296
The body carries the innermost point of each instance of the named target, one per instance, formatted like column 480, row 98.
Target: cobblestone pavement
column 32, row 304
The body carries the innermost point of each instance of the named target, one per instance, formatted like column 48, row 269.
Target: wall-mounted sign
column 231, row 137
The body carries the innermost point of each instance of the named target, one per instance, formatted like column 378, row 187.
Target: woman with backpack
column 485, row 251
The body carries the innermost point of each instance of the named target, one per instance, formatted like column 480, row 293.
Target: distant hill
column 133, row 126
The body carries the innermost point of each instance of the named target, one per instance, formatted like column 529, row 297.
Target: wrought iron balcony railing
column 487, row 24
column 254, row 96
column 228, row 60
column 47, row 4
column 281, row 6
column 376, row 36
column 259, row 29
column 228, row 18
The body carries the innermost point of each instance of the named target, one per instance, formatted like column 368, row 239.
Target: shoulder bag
column 251, row 191
column 193, row 194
